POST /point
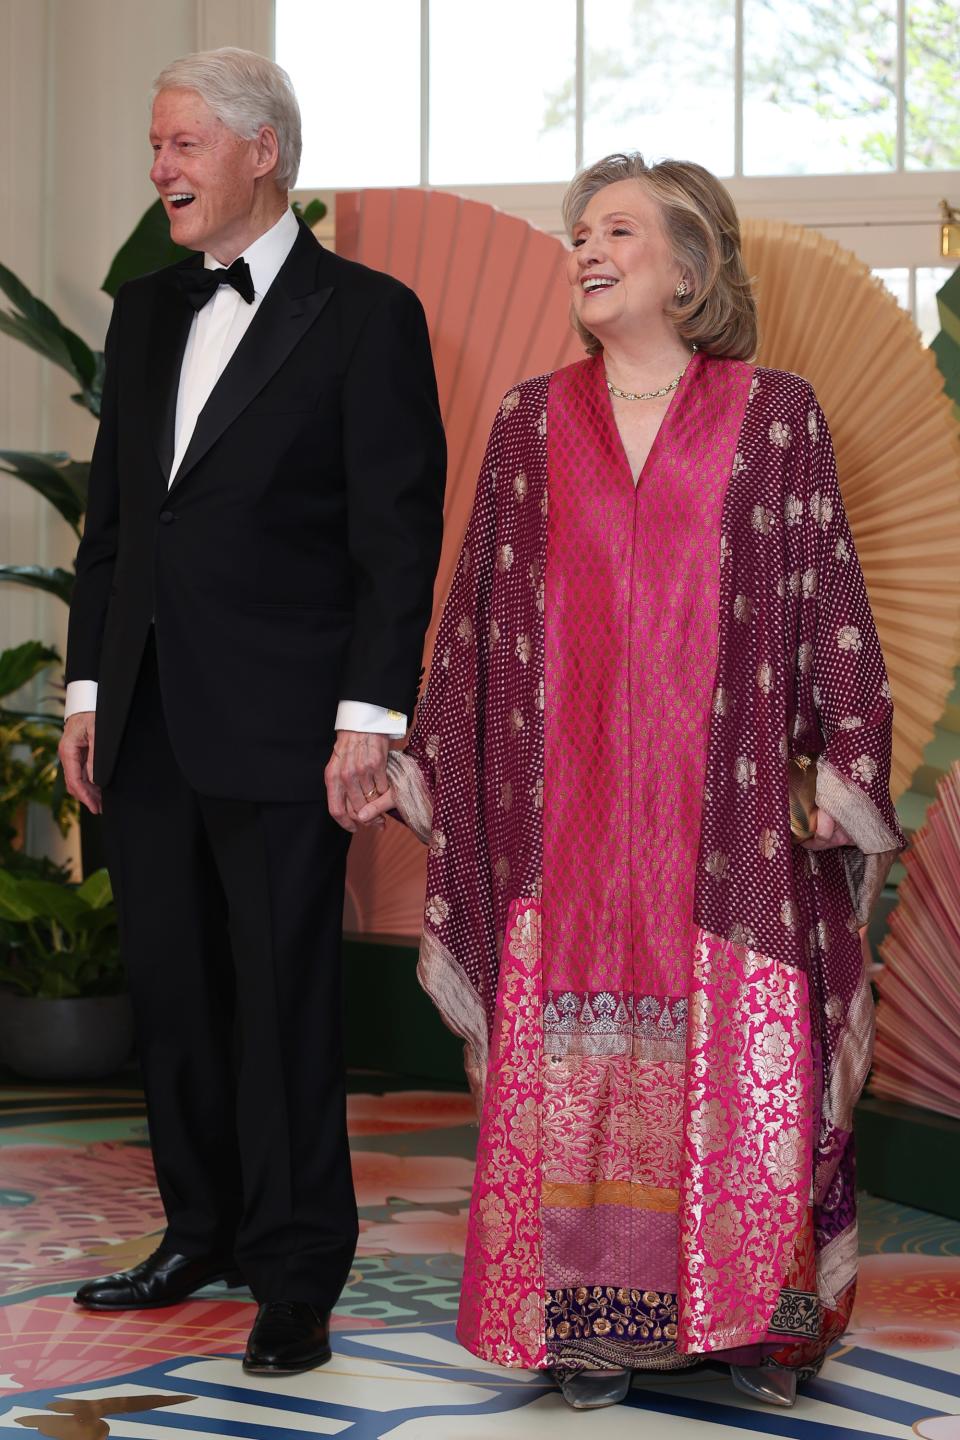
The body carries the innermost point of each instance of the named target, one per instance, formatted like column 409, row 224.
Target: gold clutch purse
column 803, row 797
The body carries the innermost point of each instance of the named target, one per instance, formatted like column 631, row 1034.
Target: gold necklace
column 648, row 394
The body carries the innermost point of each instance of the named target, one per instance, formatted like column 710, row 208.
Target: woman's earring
column 681, row 290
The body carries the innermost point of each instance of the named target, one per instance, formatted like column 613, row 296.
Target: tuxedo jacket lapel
column 286, row 312
column 172, row 316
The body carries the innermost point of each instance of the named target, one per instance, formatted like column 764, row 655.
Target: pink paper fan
column 917, row 1057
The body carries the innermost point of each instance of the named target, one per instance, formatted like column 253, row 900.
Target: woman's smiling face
column 621, row 269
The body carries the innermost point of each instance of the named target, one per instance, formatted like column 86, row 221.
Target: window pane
column 897, row 282
column 502, row 91
column 820, row 82
column 933, row 67
column 356, row 71
column 659, row 78
column 929, row 280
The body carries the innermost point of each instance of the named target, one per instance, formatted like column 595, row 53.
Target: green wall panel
column 391, row 1025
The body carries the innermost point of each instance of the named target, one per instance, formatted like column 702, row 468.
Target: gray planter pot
column 65, row 1039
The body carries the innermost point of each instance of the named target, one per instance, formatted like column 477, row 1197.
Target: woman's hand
column 829, row 835
column 374, row 811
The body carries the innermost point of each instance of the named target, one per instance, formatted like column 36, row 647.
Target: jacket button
column 167, row 517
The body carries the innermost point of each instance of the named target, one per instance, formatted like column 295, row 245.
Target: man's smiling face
column 204, row 174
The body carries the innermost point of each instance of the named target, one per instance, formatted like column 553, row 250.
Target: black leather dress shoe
column 164, row 1278
column 287, row 1338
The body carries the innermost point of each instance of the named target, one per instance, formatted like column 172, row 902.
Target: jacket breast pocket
column 301, row 394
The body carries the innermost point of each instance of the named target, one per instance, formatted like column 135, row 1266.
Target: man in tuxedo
column 253, row 587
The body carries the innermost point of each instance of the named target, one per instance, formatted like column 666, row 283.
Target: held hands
column 829, row 834
column 76, row 756
column 358, row 792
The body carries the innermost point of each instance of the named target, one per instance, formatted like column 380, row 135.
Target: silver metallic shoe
column 593, row 1389
column 770, row 1383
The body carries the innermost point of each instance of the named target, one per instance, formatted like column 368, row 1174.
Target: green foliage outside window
column 834, row 59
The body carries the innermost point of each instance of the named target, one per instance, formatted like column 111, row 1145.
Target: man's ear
column 268, row 149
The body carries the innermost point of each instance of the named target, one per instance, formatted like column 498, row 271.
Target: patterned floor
column 77, row 1199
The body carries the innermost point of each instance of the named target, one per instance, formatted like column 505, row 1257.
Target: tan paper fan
column 824, row 316
column 496, row 301
column 386, row 876
column 917, row 1056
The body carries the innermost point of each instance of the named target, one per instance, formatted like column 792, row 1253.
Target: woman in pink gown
column 657, row 632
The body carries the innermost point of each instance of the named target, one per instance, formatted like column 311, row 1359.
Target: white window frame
column 888, row 218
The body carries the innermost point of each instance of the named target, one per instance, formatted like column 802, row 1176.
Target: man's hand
column 828, row 835
column 356, row 774
column 76, row 756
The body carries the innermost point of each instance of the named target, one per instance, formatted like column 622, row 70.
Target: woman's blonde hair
column 718, row 312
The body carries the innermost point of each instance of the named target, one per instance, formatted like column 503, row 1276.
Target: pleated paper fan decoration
column 824, row 316
column 917, row 1056
column 497, row 304
column 386, row 879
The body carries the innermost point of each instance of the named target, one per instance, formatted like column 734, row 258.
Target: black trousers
column 230, row 922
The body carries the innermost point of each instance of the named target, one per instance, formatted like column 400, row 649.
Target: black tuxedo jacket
column 291, row 564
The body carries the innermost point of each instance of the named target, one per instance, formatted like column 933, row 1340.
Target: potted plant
column 64, row 1013
column 62, row 1010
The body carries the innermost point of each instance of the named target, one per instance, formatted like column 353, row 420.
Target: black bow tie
column 198, row 284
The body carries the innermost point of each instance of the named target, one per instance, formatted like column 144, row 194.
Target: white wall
column 23, row 143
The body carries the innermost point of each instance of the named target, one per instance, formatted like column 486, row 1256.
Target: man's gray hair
column 245, row 91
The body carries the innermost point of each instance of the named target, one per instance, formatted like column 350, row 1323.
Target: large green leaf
column 48, row 901
column 36, row 325
column 91, row 395
column 24, row 300
column 149, row 248
column 53, row 475
column 14, row 905
column 22, row 663
column 59, row 984
column 96, row 890
column 95, row 928
column 312, row 213
column 45, row 342
column 54, row 580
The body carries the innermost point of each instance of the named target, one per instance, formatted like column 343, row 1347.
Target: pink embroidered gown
column 662, row 998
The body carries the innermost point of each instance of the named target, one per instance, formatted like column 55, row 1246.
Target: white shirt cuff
column 371, row 719
column 81, row 695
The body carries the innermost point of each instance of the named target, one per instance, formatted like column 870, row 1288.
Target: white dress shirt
column 215, row 332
